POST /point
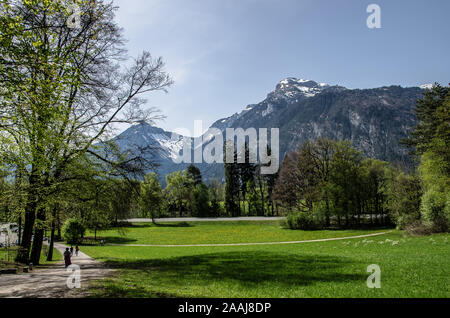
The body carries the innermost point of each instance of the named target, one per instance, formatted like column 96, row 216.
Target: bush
column 302, row 221
column 417, row 228
column 403, row 193
column 73, row 231
column 435, row 210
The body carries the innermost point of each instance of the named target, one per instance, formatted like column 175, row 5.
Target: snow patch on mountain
column 427, row 86
column 268, row 111
column 144, row 135
column 292, row 87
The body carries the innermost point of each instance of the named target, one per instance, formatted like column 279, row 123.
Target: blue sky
column 226, row 54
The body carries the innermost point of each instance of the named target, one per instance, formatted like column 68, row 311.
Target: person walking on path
column 71, row 251
column 77, row 249
column 67, row 255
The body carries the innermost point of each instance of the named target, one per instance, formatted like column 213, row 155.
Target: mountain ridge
column 374, row 120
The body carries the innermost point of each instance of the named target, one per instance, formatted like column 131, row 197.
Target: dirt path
column 252, row 244
column 51, row 281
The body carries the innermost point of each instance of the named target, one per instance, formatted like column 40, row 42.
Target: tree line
column 330, row 183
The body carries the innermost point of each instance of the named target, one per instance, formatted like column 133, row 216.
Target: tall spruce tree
column 232, row 182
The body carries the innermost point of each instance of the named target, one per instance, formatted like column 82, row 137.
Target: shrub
column 435, row 210
column 403, row 193
column 73, row 231
column 283, row 223
column 301, row 221
column 417, row 228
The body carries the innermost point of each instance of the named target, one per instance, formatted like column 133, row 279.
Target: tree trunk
column 30, row 217
column 327, row 213
column 38, row 238
column 52, row 243
column 261, row 189
column 20, row 229
column 52, row 235
column 245, row 201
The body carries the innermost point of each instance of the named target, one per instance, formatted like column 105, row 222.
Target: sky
column 226, row 54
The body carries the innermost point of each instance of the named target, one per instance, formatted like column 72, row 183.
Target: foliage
column 216, row 195
column 417, row 228
column 332, row 182
column 430, row 139
column 232, row 183
column 403, row 194
column 151, row 196
column 73, row 231
column 62, row 89
column 177, row 189
column 194, row 174
column 201, row 201
column 302, row 221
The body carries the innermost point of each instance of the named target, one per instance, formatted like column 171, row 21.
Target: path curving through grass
column 254, row 244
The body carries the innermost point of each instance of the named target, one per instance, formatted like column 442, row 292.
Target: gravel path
column 51, row 281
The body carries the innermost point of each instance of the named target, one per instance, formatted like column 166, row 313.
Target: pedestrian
column 77, row 249
column 71, row 251
column 101, row 242
column 67, row 255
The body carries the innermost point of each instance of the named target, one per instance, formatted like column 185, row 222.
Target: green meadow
column 216, row 233
column 410, row 266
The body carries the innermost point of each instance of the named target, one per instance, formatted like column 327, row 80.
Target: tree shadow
column 247, row 268
column 150, row 225
column 139, row 225
column 179, row 224
column 109, row 240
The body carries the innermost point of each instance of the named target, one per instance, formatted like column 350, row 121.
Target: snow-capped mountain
column 287, row 92
column 144, row 135
column 375, row 120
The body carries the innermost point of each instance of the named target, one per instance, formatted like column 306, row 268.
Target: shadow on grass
column 150, row 225
column 179, row 224
column 343, row 228
column 109, row 240
column 248, row 269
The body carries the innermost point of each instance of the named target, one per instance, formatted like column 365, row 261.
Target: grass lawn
column 215, row 233
column 411, row 267
column 8, row 262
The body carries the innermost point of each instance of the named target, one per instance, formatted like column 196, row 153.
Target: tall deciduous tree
column 431, row 139
column 62, row 89
column 151, row 197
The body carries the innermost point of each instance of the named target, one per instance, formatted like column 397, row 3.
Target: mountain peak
column 298, row 81
column 291, row 87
